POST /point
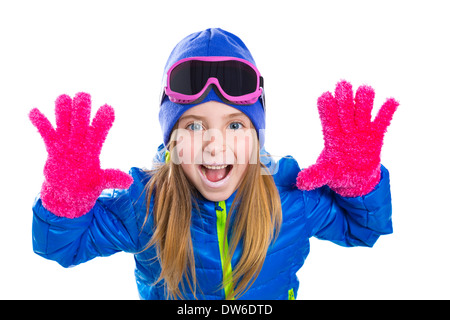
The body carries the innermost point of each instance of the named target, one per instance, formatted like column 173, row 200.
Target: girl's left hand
column 350, row 161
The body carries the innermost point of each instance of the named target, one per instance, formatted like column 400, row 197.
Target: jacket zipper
column 221, row 213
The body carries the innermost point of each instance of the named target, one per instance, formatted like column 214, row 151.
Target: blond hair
column 256, row 224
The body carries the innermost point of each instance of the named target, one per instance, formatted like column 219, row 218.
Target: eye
column 195, row 126
column 235, row 126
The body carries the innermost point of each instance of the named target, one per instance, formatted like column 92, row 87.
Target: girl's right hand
column 73, row 177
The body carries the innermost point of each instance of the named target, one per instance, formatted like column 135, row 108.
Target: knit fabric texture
column 350, row 161
column 73, row 177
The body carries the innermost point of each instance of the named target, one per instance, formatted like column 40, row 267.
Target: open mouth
column 215, row 175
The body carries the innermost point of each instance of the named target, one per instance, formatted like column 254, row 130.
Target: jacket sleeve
column 350, row 222
column 111, row 226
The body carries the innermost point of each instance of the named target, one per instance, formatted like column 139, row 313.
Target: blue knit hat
column 208, row 43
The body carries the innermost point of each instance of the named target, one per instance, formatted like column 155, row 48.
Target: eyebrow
column 193, row 117
column 201, row 118
column 237, row 114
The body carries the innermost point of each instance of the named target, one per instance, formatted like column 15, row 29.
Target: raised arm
column 356, row 208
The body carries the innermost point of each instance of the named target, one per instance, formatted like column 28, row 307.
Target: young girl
column 211, row 220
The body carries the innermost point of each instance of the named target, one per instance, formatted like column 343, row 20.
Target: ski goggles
column 235, row 80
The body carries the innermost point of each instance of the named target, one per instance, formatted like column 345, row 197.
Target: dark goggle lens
column 235, row 78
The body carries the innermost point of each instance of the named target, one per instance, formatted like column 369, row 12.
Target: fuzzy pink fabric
column 73, row 177
column 350, row 161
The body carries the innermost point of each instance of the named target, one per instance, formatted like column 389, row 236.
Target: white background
column 116, row 51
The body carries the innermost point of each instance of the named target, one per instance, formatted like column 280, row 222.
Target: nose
column 215, row 146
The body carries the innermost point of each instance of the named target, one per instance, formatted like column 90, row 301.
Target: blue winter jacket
column 115, row 224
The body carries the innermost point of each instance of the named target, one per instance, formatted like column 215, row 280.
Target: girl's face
column 214, row 146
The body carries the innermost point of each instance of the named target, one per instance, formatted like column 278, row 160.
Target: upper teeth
column 215, row 167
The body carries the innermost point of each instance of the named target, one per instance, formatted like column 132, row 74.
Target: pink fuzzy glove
column 350, row 161
column 73, row 177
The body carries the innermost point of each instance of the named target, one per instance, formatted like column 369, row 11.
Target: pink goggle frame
column 245, row 99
